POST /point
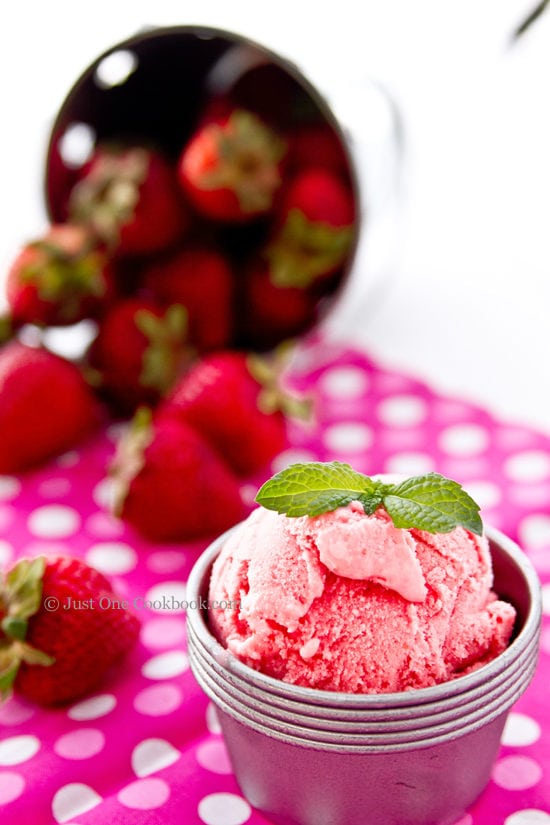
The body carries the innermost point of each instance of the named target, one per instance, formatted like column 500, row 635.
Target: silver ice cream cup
column 421, row 757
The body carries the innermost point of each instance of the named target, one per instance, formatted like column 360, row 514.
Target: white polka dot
column 167, row 597
column 54, row 488
column 9, row 487
column 520, row 730
column 93, row 708
column 213, row 756
column 144, row 794
column 248, row 493
column 485, row 493
column 529, row 466
column 7, row 516
column 212, row 721
column 344, row 382
column 349, row 436
column 534, row 531
column 80, row 744
column 402, row 411
column 224, row 809
column 288, row 457
column 532, row 496
column 6, row 552
column 529, row 816
column 103, row 493
column 53, row 521
column 464, row 820
column 18, row 749
column 163, row 632
column 15, row 711
column 104, row 525
column 72, row 800
column 464, row 439
column 409, row 464
column 112, row 557
column 166, row 561
column 158, row 700
column 166, row 665
column 516, row 773
column 546, row 599
column 153, row 755
column 69, row 459
column 12, row 786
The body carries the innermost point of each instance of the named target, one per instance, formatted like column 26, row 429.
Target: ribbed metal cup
column 421, row 757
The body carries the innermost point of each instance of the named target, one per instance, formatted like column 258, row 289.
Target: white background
column 467, row 304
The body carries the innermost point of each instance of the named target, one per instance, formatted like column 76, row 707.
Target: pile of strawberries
column 192, row 273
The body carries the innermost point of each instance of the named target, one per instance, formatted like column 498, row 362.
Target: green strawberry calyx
column 167, row 351
column 304, row 250
column 20, row 598
column 6, row 329
column 268, row 371
column 428, row 502
column 129, row 458
column 248, row 157
column 107, row 198
column 66, row 276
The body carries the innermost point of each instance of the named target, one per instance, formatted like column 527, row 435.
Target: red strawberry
column 272, row 313
column 199, row 279
column 170, row 484
column 62, row 628
column 131, row 199
column 317, row 145
column 230, row 168
column 235, row 401
column 139, row 351
column 59, row 279
column 46, row 407
column 316, row 229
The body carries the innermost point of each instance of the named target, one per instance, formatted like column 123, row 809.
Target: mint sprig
column 428, row 502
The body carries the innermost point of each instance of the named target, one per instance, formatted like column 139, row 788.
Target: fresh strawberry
column 60, row 278
column 139, row 351
column 231, row 168
column 316, row 144
column 200, row 279
column 170, row 484
column 46, row 407
column 236, row 402
column 131, row 199
column 271, row 313
column 315, row 230
column 62, row 628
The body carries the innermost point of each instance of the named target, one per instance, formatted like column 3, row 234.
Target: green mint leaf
column 316, row 487
column 433, row 503
column 430, row 502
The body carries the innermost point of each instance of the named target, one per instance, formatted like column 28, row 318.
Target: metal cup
column 312, row 757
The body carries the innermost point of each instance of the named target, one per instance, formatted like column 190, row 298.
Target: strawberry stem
column 15, row 627
column 268, row 372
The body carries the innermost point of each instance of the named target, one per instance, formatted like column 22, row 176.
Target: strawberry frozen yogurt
column 348, row 602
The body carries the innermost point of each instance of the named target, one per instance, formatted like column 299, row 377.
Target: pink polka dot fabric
column 147, row 746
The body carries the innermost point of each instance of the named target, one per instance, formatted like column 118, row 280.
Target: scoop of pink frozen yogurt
column 348, row 602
